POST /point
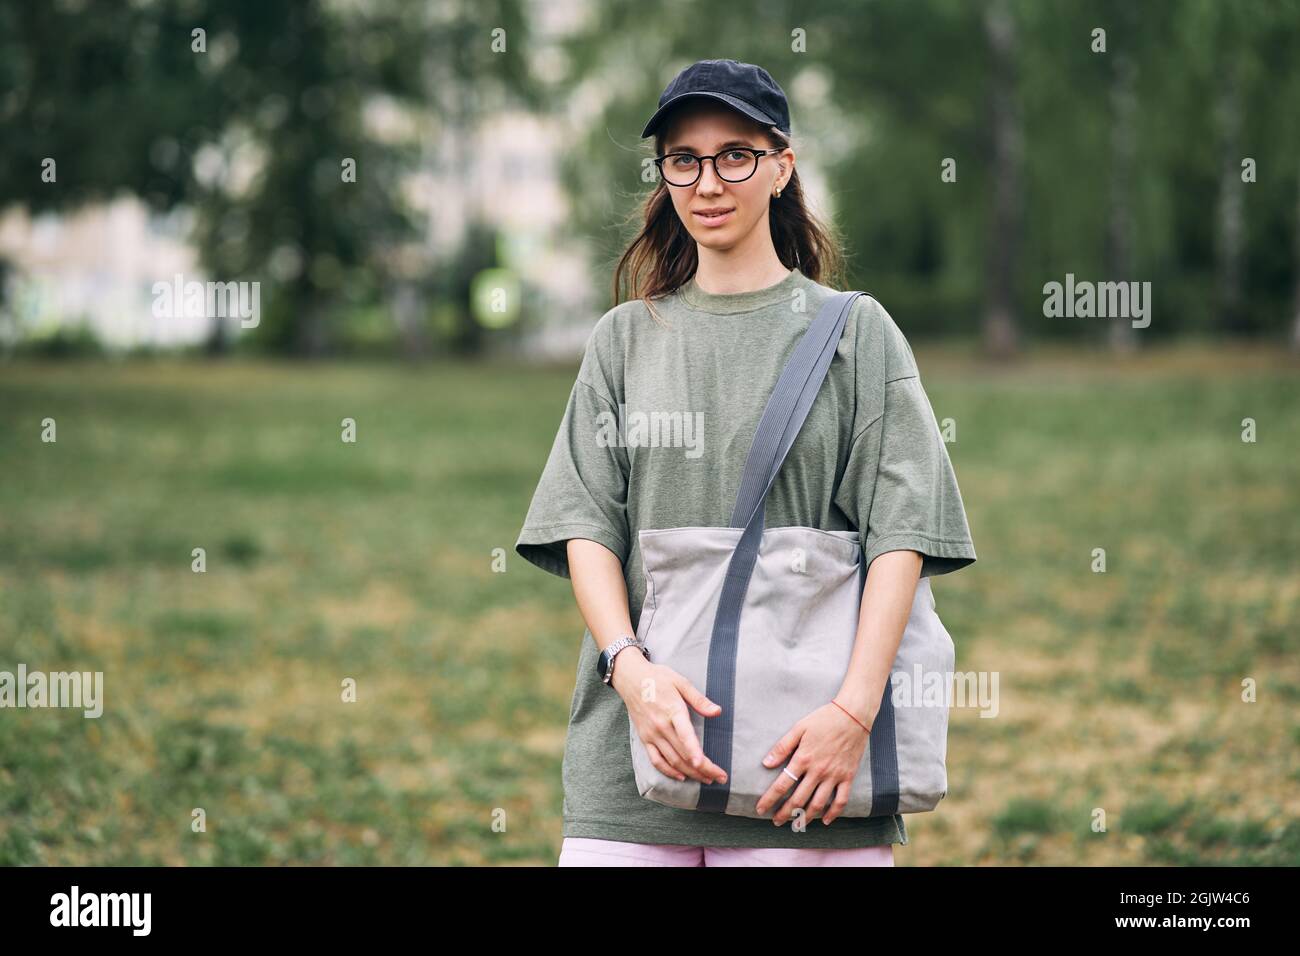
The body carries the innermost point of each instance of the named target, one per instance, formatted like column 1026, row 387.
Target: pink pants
column 584, row 851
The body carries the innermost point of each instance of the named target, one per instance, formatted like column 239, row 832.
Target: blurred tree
column 1102, row 162
column 1120, row 259
column 1005, row 235
column 1123, row 165
column 479, row 251
column 1295, row 238
column 1228, row 106
column 257, row 122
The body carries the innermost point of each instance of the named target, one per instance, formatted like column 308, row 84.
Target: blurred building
column 97, row 265
column 480, row 164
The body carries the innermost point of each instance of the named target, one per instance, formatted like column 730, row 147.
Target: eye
column 682, row 160
column 737, row 155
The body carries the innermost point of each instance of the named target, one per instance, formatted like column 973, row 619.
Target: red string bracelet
column 858, row 722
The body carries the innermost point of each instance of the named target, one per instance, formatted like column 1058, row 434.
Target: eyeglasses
column 734, row 164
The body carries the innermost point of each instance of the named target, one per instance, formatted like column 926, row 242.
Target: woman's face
column 717, row 213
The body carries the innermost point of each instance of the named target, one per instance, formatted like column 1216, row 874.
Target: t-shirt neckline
column 726, row 303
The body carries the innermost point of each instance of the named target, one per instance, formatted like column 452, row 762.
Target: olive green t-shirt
column 655, row 435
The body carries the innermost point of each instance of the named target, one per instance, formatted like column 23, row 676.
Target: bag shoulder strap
column 788, row 406
column 784, row 415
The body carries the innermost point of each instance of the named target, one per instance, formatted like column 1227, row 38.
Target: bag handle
column 787, row 408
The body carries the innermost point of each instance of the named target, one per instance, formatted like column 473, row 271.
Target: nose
column 708, row 174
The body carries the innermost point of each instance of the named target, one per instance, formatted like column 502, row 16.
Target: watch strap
column 605, row 663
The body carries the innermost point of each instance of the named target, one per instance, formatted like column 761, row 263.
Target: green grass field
column 1120, row 692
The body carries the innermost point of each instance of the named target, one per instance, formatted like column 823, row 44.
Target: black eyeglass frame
column 758, row 154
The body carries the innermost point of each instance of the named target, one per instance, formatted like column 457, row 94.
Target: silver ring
column 786, row 771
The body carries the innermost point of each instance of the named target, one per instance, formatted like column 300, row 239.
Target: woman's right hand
column 657, row 698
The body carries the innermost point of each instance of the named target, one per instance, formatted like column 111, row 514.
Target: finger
column 665, row 743
column 704, row 769
column 839, row 803
column 688, row 745
column 658, row 761
column 780, row 786
column 784, row 747
column 821, row 798
column 695, row 698
column 653, row 739
column 807, row 784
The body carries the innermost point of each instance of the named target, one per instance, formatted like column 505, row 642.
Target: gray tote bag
column 764, row 622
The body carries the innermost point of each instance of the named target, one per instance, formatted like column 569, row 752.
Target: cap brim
column 734, row 102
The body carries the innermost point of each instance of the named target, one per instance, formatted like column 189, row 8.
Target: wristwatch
column 605, row 663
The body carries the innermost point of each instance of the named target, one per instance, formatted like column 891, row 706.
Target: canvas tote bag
column 764, row 621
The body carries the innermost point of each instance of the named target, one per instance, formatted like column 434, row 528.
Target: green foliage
column 251, row 131
column 909, row 84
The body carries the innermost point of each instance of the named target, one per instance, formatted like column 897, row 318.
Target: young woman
column 726, row 275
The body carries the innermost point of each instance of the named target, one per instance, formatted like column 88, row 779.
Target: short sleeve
column 914, row 502
column 582, row 492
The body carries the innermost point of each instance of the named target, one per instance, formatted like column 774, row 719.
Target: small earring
column 778, row 192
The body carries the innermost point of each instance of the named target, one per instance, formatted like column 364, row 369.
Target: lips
column 713, row 217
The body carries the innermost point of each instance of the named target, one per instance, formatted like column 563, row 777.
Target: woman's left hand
column 827, row 748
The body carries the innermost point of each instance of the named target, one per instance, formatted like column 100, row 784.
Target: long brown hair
column 663, row 255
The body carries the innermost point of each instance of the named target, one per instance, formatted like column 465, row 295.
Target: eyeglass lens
column 734, row 165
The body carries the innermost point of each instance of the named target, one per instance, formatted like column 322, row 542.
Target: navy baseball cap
column 742, row 86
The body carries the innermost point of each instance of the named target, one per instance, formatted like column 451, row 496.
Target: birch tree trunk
column 1119, row 230
column 1295, row 326
column 1231, row 207
column 1004, row 238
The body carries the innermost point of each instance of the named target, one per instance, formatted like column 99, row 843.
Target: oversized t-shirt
column 655, row 435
